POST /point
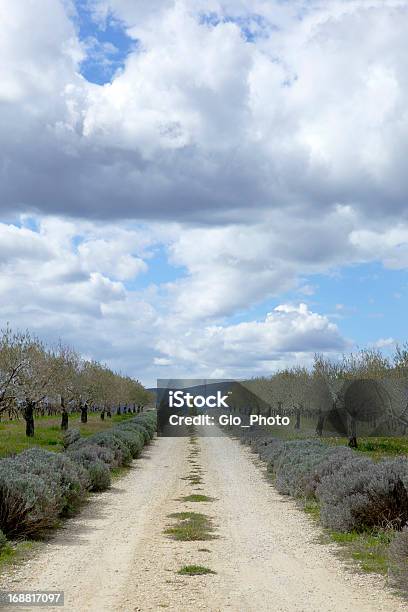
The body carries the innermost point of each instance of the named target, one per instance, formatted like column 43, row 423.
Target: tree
column 35, row 379
column 13, row 357
column 66, row 381
column 33, row 376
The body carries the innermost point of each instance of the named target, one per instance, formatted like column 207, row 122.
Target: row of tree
column 36, row 378
column 345, row 390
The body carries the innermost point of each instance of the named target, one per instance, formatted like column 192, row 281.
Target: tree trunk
column 29, row 418
column 320, row 424
column 84, row 412
column 118, row 411
column 352, row 432
column 64, row 420
column 297, row 413
column 64, row 416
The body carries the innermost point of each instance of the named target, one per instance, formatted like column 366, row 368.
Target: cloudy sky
column 202, row 188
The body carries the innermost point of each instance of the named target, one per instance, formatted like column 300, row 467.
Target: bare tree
column 33, row 376
column 35, row 380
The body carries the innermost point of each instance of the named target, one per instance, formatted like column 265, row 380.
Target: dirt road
column 115, row 557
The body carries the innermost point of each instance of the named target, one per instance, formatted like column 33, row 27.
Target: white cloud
column 289, row 334
column 76, row 293
column 38, row 62
column 385, row 343
column 255, row 164
column 108, row 257
column 308, row 115
column 229, row 268
column 22, row 244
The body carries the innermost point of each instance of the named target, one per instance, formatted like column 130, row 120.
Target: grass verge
column 374, row 447
column 16, row 552
column 369, row 549
column 48, row 434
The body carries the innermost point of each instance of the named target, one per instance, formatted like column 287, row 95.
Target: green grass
column 14, row 553
column 312, row 508
column 374, row 447
column 48, row 434
column 195, row 570
column 190, row 526
column 197, row 498
column 193, row 479
column 369, row 549
column 120, row 471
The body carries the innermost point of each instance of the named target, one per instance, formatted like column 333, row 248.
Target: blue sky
column 109, row 45
column 216, row 189
column 366, row 301
column 369, row 300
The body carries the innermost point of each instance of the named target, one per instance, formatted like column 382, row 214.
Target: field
column 48, row 434
column 375, row 447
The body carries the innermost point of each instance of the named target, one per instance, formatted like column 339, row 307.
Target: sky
column 207, row 188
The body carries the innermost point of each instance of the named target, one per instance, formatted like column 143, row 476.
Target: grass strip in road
column 195, row 497
column 191, row 526
column 195, row 570
column 194, row 479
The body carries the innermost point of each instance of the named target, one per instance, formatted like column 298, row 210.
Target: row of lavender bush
column 354, row 493
column 38, row 487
